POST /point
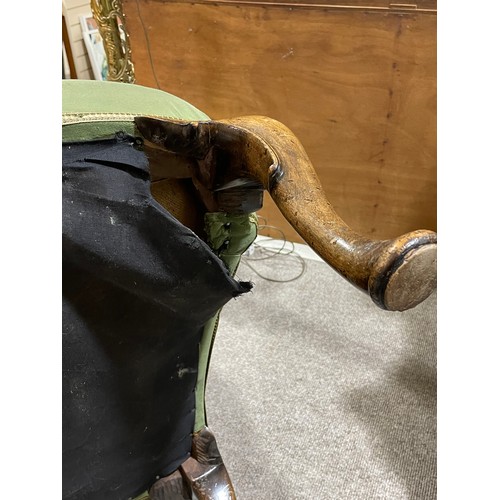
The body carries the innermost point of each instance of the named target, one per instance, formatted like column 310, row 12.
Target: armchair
column 158, row 207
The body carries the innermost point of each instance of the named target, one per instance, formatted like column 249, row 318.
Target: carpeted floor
column 315, row 393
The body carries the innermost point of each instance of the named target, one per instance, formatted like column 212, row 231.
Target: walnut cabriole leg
column 203, row 476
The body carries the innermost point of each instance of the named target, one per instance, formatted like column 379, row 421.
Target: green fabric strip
column 229, row 236
column 142, row 496
column 89, row 131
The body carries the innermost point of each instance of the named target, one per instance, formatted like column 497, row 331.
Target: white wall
column 71, row 10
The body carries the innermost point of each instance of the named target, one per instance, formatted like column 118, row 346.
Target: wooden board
column 357, row 87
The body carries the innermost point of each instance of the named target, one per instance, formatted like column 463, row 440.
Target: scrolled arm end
column 405, row 272
column 263, row 153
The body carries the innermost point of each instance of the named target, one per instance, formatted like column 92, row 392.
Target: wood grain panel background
column 357, row 87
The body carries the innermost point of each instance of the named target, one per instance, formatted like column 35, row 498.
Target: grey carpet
column 315, row 393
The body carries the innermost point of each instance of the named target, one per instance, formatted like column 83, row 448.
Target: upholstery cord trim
column 72, row 118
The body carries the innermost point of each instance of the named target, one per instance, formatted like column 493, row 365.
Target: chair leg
column 171, row 487
column 203, row 476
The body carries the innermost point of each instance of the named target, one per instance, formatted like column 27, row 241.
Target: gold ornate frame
column 111, row 22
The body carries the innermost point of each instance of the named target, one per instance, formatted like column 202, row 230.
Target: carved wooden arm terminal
column 233, row 161
column 159, row 204
column 142, row 287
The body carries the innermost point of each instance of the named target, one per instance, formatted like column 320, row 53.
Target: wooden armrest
column 229, row 158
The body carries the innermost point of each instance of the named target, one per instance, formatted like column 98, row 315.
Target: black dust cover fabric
column 138, row 288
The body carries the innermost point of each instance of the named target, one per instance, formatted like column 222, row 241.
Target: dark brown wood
column 171, row 487
column 397, row 273
column 204, row 471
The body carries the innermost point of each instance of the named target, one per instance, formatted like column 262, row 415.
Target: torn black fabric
column 138, row 288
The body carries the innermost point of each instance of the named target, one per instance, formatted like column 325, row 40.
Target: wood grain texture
column 263, row 153
column 365, row 5
column 357, row 88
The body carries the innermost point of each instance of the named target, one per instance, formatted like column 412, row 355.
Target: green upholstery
column 99, row 109
column 94, row 109
column 239, row 231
